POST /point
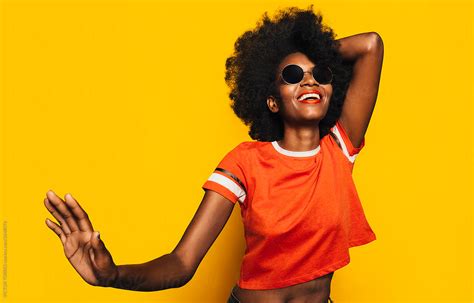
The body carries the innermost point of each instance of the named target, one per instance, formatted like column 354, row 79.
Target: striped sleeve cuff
column 348, row 149
column 226, row 184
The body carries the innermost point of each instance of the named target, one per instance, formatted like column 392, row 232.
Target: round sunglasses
column 293, row 74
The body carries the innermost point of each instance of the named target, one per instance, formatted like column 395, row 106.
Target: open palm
column 82, row 246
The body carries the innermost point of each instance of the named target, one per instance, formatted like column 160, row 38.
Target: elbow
column 375, row 42
column 186, row 270
column 187, row 276
column 169, row 271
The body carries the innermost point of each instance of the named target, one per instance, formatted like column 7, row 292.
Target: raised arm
column 366, row 51
column 89, row 257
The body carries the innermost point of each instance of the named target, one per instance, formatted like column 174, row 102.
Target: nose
column 308, row 79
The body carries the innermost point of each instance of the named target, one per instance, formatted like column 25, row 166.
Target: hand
column 82, row 246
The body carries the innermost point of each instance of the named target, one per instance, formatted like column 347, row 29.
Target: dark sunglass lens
column 323, row 75
column 292, row 74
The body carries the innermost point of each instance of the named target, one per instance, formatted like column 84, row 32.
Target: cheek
column 287, row 92
column 329, row 90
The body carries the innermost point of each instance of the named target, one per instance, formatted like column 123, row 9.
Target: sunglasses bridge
column 309, row 72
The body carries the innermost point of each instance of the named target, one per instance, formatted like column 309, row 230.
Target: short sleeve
column 228, row 179
column 348, row 149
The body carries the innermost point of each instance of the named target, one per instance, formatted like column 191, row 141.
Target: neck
column 301, row 138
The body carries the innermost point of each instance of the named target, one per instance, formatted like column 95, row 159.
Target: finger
column 94, row 250
column 102, row 261
column 79, row 213
column 57, row 230
column 58, row 216
column 63, row 210
column 99, row 253
column 91, row 255
column 87, row 248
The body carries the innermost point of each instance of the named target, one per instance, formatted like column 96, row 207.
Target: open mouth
column 310, row 97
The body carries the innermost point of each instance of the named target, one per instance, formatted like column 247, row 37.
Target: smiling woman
column 291, row 97
column 307, row 99
column 258, row 59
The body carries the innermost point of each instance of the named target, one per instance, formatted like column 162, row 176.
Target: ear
column 272, row 104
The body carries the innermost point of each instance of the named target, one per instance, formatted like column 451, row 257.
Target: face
column 292, row 110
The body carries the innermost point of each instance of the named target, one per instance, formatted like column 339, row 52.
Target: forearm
column 354, row 47
column 165, row 272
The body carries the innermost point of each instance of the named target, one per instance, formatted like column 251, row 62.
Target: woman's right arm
column 175, row 269
column 168, row 271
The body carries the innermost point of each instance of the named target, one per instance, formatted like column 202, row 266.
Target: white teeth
column 305, row 96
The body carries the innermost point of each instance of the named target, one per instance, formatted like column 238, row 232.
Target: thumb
column 98, row 251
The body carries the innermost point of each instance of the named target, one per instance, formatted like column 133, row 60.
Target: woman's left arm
column 366, row 51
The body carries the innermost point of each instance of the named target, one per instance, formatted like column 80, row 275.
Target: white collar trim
column 291, row 153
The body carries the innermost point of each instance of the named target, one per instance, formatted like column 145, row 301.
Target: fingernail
column 70, row 196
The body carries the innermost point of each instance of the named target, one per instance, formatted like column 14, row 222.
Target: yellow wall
column 89, row 106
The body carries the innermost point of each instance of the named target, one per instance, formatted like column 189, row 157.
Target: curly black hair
column 251, row 69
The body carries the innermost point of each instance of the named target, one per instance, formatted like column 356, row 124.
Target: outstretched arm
column 88, row 255
column 366, row 51
column 177, row 268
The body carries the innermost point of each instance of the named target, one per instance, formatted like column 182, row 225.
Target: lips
column 311, row 92
column 315, row 101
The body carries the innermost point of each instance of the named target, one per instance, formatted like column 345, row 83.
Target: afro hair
column 251, row 69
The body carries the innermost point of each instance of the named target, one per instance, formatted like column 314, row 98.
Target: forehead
column 297, row 58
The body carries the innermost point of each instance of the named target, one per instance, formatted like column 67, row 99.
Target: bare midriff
column 316, row 291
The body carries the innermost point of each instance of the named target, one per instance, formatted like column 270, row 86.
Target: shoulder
column 339, row 136
column 246, row 147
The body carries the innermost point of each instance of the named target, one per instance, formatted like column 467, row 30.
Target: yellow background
column 124, row 105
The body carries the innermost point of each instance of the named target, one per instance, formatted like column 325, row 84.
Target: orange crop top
column 300, row 209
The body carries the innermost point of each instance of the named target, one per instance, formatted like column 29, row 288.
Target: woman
column 307, row 99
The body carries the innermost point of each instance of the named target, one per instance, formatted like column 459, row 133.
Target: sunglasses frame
column 281, row 74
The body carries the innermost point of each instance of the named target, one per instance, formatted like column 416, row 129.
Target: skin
column 87, row 253
column 301, row 133
column 79, row 240
column 316, row 290
column 300, row 120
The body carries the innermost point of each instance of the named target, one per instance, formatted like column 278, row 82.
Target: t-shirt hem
column 297, row 280
column 362, row 241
